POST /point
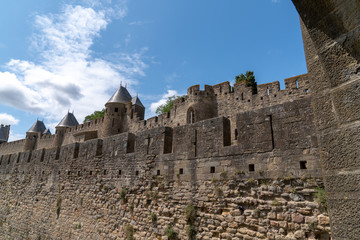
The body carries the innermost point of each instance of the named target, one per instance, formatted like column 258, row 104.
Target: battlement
column 93, row 124
column 273, row 132
column 220, row 100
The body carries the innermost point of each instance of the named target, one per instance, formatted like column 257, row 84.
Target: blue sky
column 60, row 55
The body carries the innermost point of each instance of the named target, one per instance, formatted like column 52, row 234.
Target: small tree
column 95, row 115
column 249, row 78
column 166, row 107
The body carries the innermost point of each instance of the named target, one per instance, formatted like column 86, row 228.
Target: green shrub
column 191, row 232
column 123, row 194
column 223, row 175
column 190, row 214
column 321, row 197
column 276, row 203
column 78, row 226
column 153, row 217
column 170, row 233
column 129, row 232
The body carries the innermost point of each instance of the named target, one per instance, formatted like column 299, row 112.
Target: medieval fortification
column 224, row 163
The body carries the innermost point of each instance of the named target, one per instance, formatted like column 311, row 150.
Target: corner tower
column 33, row 134
column 4, row 133
column 115, row 120
column 68, row 120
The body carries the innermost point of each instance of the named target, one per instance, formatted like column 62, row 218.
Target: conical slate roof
column 136, row 101
column 68, row 121
column 120, row 96
column 38, row 127
column 47, row 131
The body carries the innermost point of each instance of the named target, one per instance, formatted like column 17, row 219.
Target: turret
column 4, row 133
column 115, row 120
column 33, row 134
column 68, row 120
column 201, row 104
column 137, row 108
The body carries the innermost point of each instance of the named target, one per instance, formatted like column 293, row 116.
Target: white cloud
column 67, row 76
column 7, row 119
column 162, row 101
column 15, row 136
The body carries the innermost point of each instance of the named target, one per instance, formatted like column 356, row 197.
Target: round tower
column 200, row 104
column 33, row 134
column 115, row 113
column 68, row 121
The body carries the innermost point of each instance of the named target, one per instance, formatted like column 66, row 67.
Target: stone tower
column 68, row 120
column 33, row 134
column 115, row 119
column 201, row 104
column 137, row 109
column 4, row 133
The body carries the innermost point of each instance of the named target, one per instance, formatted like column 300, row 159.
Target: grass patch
column 171, row 233
column 321, row 197
column 58, row 206
column 129, row 232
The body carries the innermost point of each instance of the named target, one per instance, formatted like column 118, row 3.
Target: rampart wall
column 264, row 186
column 12, row 147
column 228, row 101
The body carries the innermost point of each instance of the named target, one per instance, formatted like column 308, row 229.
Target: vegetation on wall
column 166, row 107
column 170, row 233
column 190, row 216
column 321, row 197
column 129, row 232
column 95, row 115
column 58, row 206
column 249, row 78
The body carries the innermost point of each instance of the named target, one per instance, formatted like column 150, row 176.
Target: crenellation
column 210, row 136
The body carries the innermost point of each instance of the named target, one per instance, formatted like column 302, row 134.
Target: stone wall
column 100, row 207
column 12, row 147
column 331, row 33
column 106, row 187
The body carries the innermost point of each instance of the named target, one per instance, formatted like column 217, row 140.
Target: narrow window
column 158, row 172
column 116, row 109
column 297, row 84
column 303, row 165
column 251, row 167
column 212, row 169
column 119, row 172
column 242, row 96
column 181, row 171
column 236, row 134
column 113, row 122
column 69, row 172
column 268, row 91
column 104, row 172
column 137, row 173
column 90, row 173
